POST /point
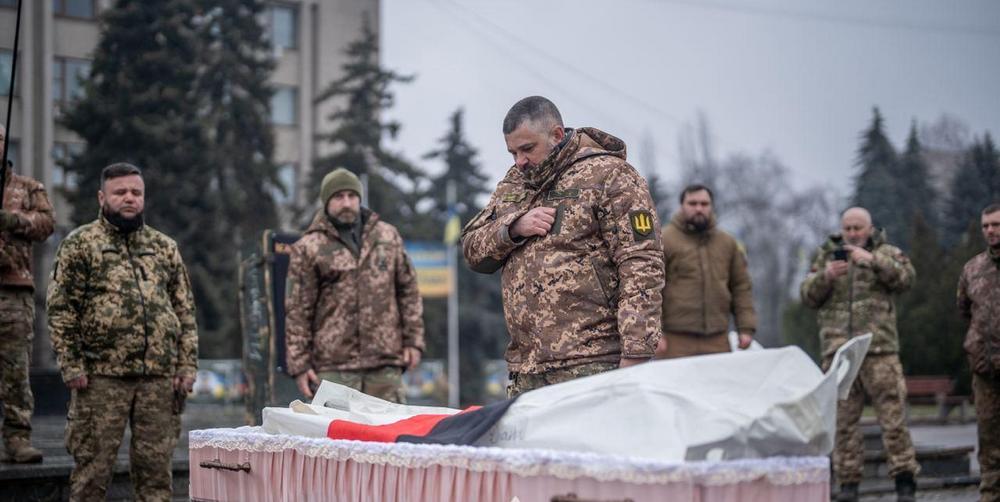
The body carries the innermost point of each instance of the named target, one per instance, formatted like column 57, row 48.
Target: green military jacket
column 121, row 304
column 860, row 301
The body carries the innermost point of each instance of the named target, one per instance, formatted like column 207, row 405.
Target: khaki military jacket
column 860, row 301
column 121, row 304
column 979, row 301
column 588, row 291
column 706, row 281
column 347, row 312
column 25, row 198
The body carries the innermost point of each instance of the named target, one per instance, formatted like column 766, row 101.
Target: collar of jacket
column 322, row 224
column 110, row 228
column 994, row 254
column 577, row 145
column 877, row 238
column 678, row 221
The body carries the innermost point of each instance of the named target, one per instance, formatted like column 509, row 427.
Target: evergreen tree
column 462, row 169
column 172, row 93
column 917, row 197
column 362, row 98
column 875, row 185
column 235, row 66
column 975, row 185
column 482, row 331
column 141, row 106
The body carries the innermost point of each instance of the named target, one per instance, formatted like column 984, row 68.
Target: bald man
column 853, row 279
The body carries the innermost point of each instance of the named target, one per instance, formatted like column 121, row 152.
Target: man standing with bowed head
column 26, row 218
column 122, row 319
column 706, row 282
column 354, row 311
column 852, row 281
column 979, row 301
column 574, row 230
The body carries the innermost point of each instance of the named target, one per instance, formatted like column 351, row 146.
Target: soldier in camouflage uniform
column 26, row 218
column 979, row 301
column 574, row 230
column 123, row 328
column 354, row 315
column 852, row 281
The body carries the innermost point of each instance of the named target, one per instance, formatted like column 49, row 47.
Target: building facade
column 56, row 46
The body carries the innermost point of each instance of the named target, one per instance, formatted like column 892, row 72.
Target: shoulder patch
column 514, row 197
column 641, row 222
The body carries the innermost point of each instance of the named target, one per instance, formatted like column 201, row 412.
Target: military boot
column 20, row 451
column 848, row 492
column 906, row 487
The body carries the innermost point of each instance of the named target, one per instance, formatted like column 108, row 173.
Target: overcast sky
column 798, row 78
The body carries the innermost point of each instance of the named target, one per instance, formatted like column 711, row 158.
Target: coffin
column 248, row 464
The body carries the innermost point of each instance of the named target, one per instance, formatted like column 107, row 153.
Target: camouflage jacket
column 706, row 281
column 347, row 312
column 979, row 301
column 25, row 198
column 590, row 290
column 859, row 301
column 121, row 304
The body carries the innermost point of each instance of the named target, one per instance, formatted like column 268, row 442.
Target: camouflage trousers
column 384, row 383
column 95, row 426
column 881, row 378
column 685, row 345
column 986, row 391
column 523, row 382
column 17, row 314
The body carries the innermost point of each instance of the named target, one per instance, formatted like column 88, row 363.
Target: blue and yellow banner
column 430, row 259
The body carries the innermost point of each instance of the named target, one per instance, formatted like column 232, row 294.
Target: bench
column 935, row 390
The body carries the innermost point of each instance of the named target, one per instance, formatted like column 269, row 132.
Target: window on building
column 68, row 75
column 62, row 152
column 288, row 175
column 14, row 153
column 284, row 106
column 6, row 65
column 84, row 9
column 283, row 26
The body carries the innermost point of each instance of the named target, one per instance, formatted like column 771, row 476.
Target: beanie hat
column 337, row 180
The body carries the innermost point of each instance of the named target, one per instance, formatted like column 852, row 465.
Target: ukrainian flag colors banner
column 431, row 262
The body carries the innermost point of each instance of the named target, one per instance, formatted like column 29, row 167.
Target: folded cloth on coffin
column 750, row 404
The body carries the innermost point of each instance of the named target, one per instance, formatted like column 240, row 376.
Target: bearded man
column 121, row 315
column 707, row 282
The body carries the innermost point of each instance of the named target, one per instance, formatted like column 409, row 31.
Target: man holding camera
column 852, row 282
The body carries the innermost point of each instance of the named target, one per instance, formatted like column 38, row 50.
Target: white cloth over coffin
column 749, row 404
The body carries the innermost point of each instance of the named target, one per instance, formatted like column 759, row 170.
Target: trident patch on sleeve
column 642, row 224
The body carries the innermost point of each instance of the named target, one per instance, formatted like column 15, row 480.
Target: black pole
column 10, row 103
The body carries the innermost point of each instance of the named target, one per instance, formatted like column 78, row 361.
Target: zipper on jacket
column 850, row 302
column 142, row 303
column 702, row 250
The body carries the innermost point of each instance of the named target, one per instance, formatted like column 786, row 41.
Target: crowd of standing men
column 590, row 283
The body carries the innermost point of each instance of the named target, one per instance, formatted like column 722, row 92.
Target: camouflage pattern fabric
column 121, row 305
column 979, row 301
column 590, row 290
column 860, row 301
column 347, row 312
column 26, row 199
column 707, row 281
column 95, row 426
column 17, row 313
column 384, row 383
column 523, row 382
column 688, row 344
column 881, row 378
column 986, row 392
